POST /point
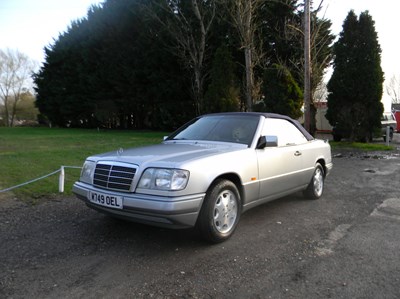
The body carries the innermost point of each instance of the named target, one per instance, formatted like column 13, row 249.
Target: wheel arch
column 234, row 178
column 323, row 164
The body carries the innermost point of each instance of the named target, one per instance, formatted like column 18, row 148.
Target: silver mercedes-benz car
column 207, row 173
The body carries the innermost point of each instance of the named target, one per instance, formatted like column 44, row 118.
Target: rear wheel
column 221, row 211
column 316, row 186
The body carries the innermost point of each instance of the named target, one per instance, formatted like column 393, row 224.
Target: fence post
column 61, row 180
column 387, row 135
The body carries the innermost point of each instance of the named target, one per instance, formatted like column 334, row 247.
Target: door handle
column 297, row 153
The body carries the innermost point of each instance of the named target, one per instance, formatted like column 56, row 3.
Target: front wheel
column 221, row 211
column 316, row 186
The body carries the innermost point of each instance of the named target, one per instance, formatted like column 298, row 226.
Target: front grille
column 114, row 177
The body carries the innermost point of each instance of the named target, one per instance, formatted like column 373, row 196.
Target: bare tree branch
column 15, row 73
column 393, row 89
column 243, row 17
column 318, row 43
column 189, row 31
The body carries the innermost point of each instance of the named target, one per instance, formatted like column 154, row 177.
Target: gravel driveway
column 345, row 245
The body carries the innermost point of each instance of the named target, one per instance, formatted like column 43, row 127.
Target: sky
column 30, row 25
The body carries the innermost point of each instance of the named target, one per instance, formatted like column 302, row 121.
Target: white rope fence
column 61, row 179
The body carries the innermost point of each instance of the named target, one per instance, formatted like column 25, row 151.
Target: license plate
column 106, row 200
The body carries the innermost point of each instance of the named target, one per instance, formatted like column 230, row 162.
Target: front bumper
column 172, row 212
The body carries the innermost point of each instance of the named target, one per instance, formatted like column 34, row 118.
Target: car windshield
column 225, row 128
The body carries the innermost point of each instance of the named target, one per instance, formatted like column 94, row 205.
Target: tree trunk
column 6, row 115
column 198, row 91
column 249, row 79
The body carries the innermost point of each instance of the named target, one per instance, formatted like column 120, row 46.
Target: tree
column 321, row 92
column 393, row 89
column 243, row 14
column 188, row 23
column 146, row 64
column 355, row 88
column 110, row 69
column 320, row 48
column 282, row 94
column 26, row 110
column 15, row 73
column 223, row 93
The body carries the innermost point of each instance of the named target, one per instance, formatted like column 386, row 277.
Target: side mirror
column 267, row 141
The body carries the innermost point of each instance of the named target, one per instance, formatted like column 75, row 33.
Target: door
column 281, row 168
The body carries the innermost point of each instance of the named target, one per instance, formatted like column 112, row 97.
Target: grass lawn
column 29, row 153
column 361, row 146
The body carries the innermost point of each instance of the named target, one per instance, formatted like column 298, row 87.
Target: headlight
column 87, row 172
column 164, row 179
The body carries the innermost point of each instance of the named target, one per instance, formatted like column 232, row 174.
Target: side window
column 287, row 133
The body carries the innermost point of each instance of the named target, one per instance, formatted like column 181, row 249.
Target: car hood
column 168, row 153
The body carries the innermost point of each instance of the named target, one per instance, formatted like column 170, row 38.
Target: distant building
column 322, row 123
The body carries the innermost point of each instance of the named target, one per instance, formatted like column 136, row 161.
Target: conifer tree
column 282, row 93
column 356, row 85
column 223, row 93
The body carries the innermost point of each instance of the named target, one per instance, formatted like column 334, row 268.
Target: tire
column 316, row 186
column 220, row 212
